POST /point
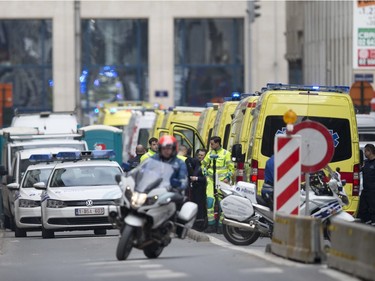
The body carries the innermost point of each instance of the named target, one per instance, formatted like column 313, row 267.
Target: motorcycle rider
column 168, row 148
column 267, row 189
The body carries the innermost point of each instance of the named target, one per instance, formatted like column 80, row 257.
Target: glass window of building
column 26, row 63
column 114, row 61
column 209, row 59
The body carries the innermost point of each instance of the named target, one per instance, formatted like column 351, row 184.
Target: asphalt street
column 84, row 256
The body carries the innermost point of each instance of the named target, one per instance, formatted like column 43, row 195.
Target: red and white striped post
column 287, row 179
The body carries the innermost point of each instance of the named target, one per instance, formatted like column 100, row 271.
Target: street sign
column 287, row 174
column 368, row 77
column 317, row 145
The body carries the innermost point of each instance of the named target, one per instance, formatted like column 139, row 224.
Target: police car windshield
column 84, row 176
column 36, row 175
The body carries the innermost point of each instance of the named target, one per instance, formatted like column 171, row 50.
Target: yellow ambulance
column 240, row 133
column 330, row 106
column 118, row 114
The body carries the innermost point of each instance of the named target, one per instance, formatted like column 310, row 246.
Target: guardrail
column 352, row 249
column 298, row 238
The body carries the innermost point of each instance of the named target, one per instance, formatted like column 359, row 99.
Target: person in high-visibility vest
column 224, row 170
column 153, row 149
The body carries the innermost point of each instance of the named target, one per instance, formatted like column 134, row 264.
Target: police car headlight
column 24, row 203
column 138, row 199
column 55, row 203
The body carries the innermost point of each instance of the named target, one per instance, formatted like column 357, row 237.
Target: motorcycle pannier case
column 186, row 218
column 237, row 208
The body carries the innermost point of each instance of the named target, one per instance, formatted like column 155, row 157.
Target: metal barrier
column 298, row 238
column 352, row 249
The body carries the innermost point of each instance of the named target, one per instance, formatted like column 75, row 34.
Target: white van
column 137, row 132
column 48, row 122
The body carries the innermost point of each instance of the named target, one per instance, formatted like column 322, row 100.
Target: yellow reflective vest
column 147, row 155
column 224, row 164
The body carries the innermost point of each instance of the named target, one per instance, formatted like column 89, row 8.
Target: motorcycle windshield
column 152, row 174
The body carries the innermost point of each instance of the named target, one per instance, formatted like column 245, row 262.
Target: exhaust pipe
column 238, row 224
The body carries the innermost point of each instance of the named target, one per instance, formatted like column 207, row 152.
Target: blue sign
column 367, row 77
column 161, row 94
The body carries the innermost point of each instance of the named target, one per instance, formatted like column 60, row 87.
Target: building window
column 114, row 61
column 26, row 62
column 295, row 72
column 209, row 59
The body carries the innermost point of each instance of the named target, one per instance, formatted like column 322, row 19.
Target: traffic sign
column 287, row 174
column 317, row 145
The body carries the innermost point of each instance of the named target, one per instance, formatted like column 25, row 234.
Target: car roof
column 85, row 163
column 41, row 166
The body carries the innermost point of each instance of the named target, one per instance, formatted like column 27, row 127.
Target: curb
column 198, row 236
column 2, row 232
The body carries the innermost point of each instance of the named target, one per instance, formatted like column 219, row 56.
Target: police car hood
column 30, row 194
column 85, row 192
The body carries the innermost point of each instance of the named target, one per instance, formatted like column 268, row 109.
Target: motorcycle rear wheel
column 125, row 244
column 238, row 236
column 153, row 250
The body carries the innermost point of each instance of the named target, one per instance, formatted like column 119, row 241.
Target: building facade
column 319, row 42
column 168, row 52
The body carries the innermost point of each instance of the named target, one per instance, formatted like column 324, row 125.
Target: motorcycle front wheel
column 238, row 236
column 153, row 250
column 125, row 244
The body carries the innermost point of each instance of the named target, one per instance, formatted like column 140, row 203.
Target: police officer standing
column 366, row 209
column 224, row 171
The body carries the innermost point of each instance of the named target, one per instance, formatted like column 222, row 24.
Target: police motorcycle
column 247, row 215
column 149, row 213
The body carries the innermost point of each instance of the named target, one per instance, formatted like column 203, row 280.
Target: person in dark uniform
column 366, row 209
column 134, row 162
column 197, row 188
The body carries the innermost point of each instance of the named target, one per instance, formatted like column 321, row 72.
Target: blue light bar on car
column 279, row 86
column 236, row 96
column 41, row 158
column 68, row 155
column 103, row 154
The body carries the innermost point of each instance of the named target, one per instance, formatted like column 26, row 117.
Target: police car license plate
column 89, row 211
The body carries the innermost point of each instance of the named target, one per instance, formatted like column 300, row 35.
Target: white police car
column 27, row 213
column 79, row 193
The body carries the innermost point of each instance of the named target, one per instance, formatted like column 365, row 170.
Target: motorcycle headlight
column 138, row 199
column 55, row 203
column 24, row 203
column 151, row 200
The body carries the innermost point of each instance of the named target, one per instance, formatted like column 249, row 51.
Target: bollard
column 352, row 249
column 298, row 238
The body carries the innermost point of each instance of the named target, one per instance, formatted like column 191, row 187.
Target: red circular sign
column 317, row 146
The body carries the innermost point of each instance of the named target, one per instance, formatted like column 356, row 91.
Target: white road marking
column 122, row 273
column 337, row 275
column 164, row 274
column 146, row 266
column 272, row 270
column 257, row 253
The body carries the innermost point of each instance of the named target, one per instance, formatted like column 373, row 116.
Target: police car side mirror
column 13, row 186
column 40, row 185
column 118, row 178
